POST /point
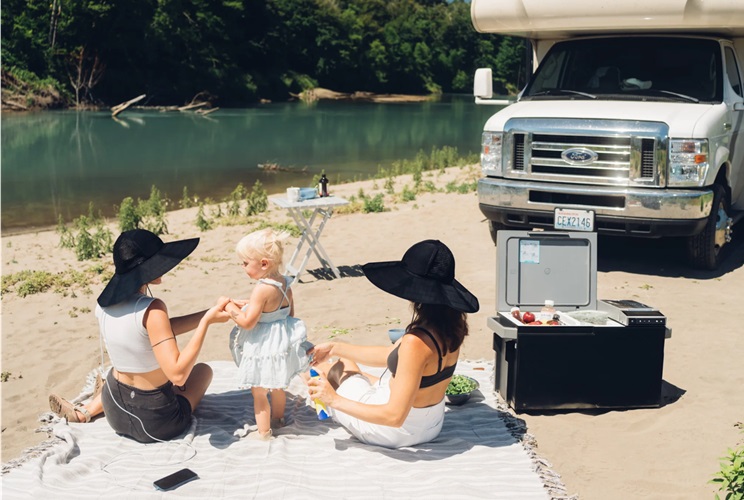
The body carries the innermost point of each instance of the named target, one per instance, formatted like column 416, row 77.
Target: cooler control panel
column 632, row 313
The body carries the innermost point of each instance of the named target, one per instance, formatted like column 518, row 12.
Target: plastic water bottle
column 547, row 311
column 320, row 406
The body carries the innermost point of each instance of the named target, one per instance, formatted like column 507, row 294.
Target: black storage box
column 573, row 365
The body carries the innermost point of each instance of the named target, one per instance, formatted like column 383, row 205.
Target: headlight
column 688, row 162
column 491, row 153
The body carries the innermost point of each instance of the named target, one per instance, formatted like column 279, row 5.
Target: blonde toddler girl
column 269, row 344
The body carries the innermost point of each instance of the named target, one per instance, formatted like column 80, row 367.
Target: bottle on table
column 323, row 186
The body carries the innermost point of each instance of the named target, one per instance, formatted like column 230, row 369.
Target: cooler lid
column 533, row 266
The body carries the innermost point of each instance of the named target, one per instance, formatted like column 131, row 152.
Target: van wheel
column 705, row 250
column 494, row 228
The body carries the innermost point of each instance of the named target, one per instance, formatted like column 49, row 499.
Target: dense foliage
column 240, row 51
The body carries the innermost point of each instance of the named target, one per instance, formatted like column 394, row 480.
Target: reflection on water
column 55, row 163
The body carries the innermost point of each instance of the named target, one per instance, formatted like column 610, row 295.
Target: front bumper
column 618, row 210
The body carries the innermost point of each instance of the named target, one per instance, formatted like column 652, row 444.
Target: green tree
column 237, row 51
column 509, row 64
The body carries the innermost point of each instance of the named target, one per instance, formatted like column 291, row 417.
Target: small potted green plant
column 460, row 389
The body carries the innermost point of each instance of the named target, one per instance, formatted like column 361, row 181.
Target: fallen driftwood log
column 161, row 109
column 121, row 107
column 275, row 167
column 168, row 109
column 14, row 105
column 317, row 94
column 191, row 106
column 197, row 105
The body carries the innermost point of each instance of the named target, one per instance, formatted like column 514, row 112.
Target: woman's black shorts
column 145, row 416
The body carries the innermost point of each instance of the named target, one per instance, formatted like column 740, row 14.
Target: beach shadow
column 223, row 414
column 664, row 257
column 325, row 274
column 670, row 394
column 220, row 415
column 473, row 424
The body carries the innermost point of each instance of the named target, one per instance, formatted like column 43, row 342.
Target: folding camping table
column 320, row 210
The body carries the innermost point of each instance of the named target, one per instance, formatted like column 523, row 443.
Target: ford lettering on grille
column 578, row 156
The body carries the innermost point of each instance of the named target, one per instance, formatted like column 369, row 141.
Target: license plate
column 574, row 220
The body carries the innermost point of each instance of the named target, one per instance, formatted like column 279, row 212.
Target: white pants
column 421, row 425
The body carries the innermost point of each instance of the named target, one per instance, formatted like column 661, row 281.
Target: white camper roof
column 550, row 19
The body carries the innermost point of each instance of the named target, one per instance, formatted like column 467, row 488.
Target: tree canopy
column 240, row 51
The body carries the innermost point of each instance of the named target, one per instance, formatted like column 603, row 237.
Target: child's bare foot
column 260, row 436
column 277, row 423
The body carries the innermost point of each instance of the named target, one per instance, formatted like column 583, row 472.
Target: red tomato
column 528, row 317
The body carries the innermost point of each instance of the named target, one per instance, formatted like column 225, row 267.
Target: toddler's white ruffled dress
column 271, row 353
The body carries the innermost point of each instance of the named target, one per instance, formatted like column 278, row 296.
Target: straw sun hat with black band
column 141, row 257
column 426, row 275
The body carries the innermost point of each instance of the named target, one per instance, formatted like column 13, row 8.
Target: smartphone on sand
column 175, row 480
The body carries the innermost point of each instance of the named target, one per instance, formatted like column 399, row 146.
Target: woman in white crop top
column 153, row 386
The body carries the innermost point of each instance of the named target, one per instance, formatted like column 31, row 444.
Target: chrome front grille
column 622, row 155
column 519, row 151
column 647, row 158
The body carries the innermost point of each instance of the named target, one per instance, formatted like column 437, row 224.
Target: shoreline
column 50, row 340
column 321, row 94
column 308, row 96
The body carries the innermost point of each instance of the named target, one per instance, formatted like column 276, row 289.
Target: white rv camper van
column 632, row 123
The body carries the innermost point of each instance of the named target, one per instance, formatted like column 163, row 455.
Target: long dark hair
column 451, row 324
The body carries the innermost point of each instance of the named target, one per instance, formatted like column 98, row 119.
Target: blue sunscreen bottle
column 320, row 406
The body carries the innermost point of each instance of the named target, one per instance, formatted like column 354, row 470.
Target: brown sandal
column 64, row 409
column 97, row 387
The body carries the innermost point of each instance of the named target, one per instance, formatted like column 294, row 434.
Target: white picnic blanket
column 482, row 452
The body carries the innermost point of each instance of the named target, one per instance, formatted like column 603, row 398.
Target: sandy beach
column 50, row 340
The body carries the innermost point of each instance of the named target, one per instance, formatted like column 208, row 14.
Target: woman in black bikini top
column 426, row 380
column 406, row 408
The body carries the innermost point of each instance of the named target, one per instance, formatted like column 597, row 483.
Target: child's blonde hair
column 263, row 244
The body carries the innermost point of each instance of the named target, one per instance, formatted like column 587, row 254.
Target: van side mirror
column 483, row 89
column 483, row 83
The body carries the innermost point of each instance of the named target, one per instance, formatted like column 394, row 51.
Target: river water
column 56, row 163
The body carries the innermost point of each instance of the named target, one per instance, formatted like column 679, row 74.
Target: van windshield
column 630, row 68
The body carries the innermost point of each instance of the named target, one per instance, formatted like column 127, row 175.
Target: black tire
column 705, row 250
column 494, row 228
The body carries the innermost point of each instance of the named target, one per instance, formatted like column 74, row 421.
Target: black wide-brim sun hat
column 426, row 275
column 140, row 257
